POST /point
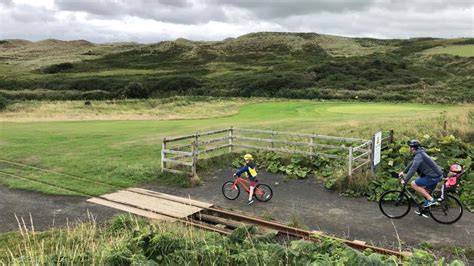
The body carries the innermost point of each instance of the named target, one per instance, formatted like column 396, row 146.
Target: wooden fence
column 183, row 152
column 361, row 156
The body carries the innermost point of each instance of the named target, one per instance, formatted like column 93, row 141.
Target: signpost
column 376, row 149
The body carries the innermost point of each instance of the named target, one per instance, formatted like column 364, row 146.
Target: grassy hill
column 289, row 65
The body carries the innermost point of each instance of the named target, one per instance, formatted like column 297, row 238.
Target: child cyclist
column 250, row 170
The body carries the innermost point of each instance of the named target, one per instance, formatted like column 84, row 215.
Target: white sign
column 377, row 147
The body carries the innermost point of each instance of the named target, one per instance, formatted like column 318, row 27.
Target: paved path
column 46, row 211
column 317, row 207
column 321, row 209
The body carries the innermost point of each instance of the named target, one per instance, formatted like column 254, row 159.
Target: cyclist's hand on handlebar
column 401, row 174
column 402, row 181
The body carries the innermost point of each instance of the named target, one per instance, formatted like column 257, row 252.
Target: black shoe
column 422, row 213
column 250, row 202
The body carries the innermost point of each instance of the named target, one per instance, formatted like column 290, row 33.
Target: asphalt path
column 321, row 209
column 304, row 200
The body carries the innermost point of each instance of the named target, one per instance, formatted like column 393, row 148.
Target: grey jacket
column 423, row 165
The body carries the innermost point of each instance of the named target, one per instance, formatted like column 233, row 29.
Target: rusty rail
column 282, row 228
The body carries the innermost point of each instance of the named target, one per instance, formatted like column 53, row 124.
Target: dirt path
column 321, row 209
column 46, row 211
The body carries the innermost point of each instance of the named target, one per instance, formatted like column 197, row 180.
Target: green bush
column 96, row 95
column 446, row 151
column 300, row 167
column 3, row 103
column 179, row 84
column 58, row 68
column 135, row 90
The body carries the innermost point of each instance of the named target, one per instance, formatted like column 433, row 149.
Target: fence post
column 349, row 163
column 163, row 147
column 196, row 138
column 231, row 140
column 371, row 157
column 195, row 153
column 311, row 141
column 390, row 138
column 271, row 137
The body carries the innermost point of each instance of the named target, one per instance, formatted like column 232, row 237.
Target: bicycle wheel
column 263, row 192
column 230, row 191
column 394, row 204
column 448, row 211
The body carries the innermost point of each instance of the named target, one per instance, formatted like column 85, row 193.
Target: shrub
column 96, row 95
column 3, row 103
column 135, row 90
column 176, row 84
column 447, row 150
column 52, row 69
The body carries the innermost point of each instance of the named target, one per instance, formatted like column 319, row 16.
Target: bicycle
column 231, row 190
column 395, row 204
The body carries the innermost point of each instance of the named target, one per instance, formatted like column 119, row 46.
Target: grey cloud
column 6, row 2
column 423, row 6
column 173, row 11
column 286, row 8
column 236, row 11
column 176, row 3
column 271, row 9
column 384, row 23
column 105, row 8
column 151, row 21
column 29, row 14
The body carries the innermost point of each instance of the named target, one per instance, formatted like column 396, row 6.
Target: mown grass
column 459, row 50
column 127, row 153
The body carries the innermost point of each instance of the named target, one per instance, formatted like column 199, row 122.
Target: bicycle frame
column 414, row 196
column 410, row 195
column 246, row 185
column 440, row 211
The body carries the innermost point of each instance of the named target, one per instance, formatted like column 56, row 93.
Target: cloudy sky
column 156, row 20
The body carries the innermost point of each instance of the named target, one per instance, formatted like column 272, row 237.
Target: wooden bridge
column 160, row 206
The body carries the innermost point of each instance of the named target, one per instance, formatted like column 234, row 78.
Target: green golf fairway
column 124, row 153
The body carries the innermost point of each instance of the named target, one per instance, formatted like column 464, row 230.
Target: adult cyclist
column 429, row 174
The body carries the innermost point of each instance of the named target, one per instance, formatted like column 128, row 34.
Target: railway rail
column 208, row 218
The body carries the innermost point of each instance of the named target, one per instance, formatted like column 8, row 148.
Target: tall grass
column 151, row 109
column 127, row 240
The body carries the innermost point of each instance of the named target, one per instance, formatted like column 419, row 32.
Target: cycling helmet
column 414, row 143
column 248, row 157
column 455, row 168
